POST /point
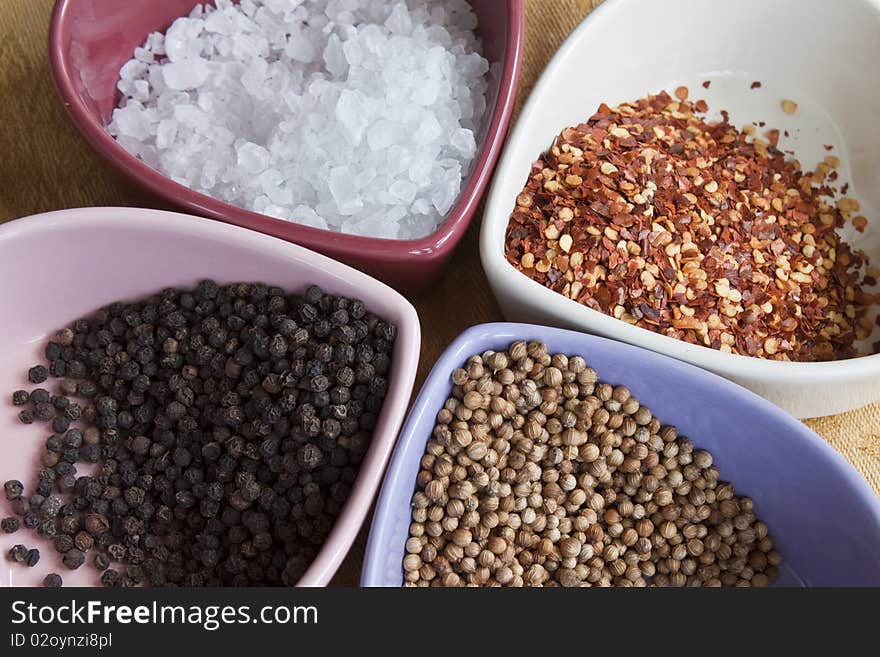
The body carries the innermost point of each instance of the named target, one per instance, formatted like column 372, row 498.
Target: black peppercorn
column 73, row 558
column 13, row 489
column 31, row 520
column 111, row 578
column 18, row 553
column 63, row 543
column 38, row 374
column 73, row 412
column 60, row 402
column 20, row 397
column 44, row 412
column 10, row 525
column 52, row 581
column 60, row 424
column 40, row 396
column 32, row 557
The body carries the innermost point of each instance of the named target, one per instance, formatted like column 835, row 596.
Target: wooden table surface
column 44, row 165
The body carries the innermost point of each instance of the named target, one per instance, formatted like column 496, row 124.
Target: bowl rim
column 473, row 340
column 502, row 273
column 407, row 344
column 433, row 245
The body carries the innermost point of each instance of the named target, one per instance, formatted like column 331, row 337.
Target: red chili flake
column 828, row 147
column 706, row 84
column 652, row 214
column 756, row 85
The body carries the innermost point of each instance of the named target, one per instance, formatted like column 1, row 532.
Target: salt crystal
column 143, row 55
column 444, row 195
column 252, row 157
column 334, row 57
column 344, row 190
column 381, row 134
column 429, row 129
column 351, row 114
column 421, row 206
column 272, row 183
column 356, row 116
column 132, row 69
column 189, row 116
column 165, row 133
column 306, row 216
column 404, row 191
column 426, row 92
column 352, row 51
column 300, row 49
column 463, row 141
column 156, row 43
column 187, row 74
column 181, row 39
column 141, row 90
column 132, row 122
column 399, row 22
column 209, row 174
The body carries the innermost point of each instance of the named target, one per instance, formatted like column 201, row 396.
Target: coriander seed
column 522, row 490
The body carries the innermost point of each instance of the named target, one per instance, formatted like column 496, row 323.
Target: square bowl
column 803, row 490
column 731, row 45
column 89, row 40
column 60, row 266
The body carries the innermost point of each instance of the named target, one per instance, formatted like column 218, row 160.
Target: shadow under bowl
column 822, row 515
column 60, row 266
column 90, row 40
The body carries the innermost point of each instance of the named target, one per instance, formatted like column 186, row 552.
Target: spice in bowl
column 203, row 437
column 539, row 474
column 357, row 117
column 652, row 214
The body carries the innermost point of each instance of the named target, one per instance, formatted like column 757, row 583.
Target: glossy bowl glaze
column 679, row 42
column 59, row 266
column 822, row 515
column 90, row 40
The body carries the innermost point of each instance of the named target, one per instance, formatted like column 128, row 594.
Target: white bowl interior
column 820, row 54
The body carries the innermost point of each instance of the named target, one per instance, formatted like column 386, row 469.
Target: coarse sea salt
column 357, row 116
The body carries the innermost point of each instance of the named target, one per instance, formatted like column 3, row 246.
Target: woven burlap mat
column 45, row 166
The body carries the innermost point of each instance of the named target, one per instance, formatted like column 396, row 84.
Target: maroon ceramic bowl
column 89, row 40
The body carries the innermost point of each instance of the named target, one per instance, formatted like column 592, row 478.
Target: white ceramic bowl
column 821, row 54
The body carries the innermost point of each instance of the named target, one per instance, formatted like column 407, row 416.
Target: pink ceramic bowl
column 90, row 40
column 59, row 266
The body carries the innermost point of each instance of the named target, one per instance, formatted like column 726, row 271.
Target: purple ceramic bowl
column 59, row 266
column 89, row 40
column 823, row 516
